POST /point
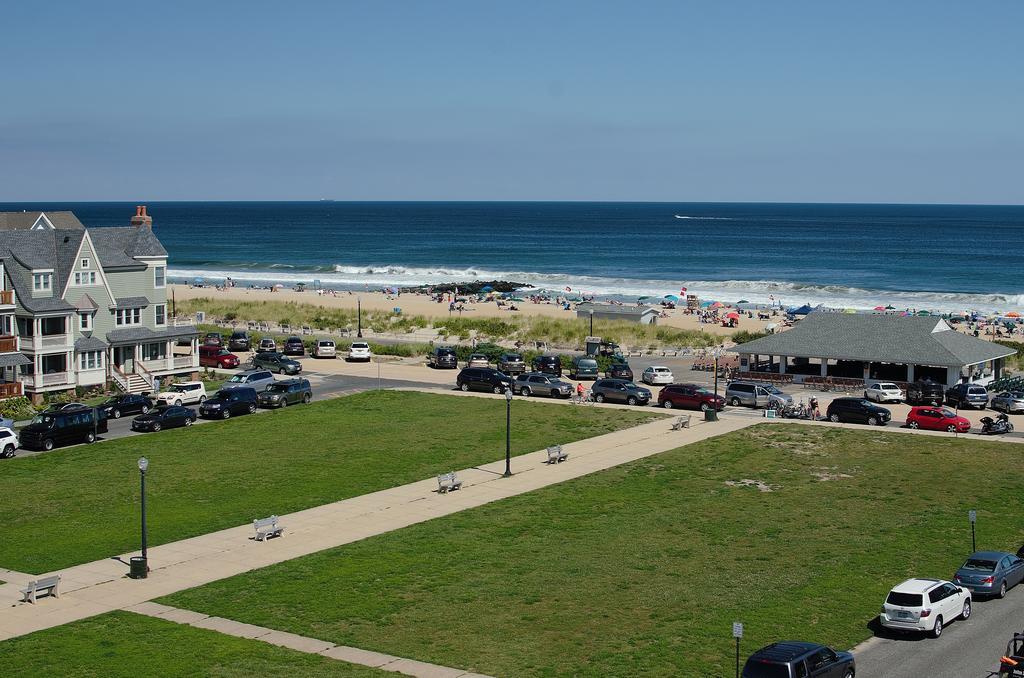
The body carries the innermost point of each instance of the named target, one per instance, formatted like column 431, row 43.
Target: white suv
column 883, row 392
column 185, row 393
column 924, row 605
column 324, row 348
column 359, row 350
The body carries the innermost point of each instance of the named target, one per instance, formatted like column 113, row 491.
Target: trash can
column 139, row 567
column 710, row 415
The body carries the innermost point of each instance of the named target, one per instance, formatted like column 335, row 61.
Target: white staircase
column 131, row 383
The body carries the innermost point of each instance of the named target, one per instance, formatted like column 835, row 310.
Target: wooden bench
column 446, row 482
column 556, row 454
column 682, row 422
column 267, row 528
column 49, row 585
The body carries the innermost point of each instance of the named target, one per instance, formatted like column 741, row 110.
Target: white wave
column 683, row 216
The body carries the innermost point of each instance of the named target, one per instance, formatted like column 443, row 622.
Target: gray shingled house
column 874, row 346
column 82, row 307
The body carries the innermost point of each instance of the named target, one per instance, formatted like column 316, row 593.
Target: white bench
column 50, row 585
column 556, row 454
column 267, row 528
column 682, row 422
column 446, row 482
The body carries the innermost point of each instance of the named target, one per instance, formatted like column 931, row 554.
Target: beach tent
column 803, row 310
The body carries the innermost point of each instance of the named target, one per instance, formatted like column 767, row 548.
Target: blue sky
column 678, row 101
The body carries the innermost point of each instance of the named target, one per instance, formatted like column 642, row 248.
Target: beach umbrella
column 890, row 307
column 706, row 304
column 923, row 313
column 717, row 304
column 879, row 308
column 1013, row 314
column 486, row 288
column 742, row 301
column 733, row 314
column 642, row 298
column 278, row 285
column 671, row 297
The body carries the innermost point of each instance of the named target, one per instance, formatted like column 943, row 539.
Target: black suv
column 796, row 659
column 857, row 411
column 285, row 392
column 443, row 357
column 967, row 395
column 293, row 346
column 483, row 379
column 618, row 390
column 229, row 402
column 239, row 341
column 548, row 364
column 924, row 393
column 619, row 371
column 276, row 362
column 128, row 403
column 511, row 364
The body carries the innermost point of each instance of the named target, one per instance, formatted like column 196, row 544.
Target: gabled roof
column 86, row 303
column 118, row 247
column 877, row 338
column 90, row 344
column 17, row 221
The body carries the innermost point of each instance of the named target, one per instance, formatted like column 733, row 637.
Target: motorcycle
column 997, row 426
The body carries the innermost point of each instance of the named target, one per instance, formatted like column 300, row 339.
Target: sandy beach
column 421, row 304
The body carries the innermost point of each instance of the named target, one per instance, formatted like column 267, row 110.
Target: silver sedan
column 1009, row 401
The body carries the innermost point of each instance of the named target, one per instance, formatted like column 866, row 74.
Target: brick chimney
column 141, row 219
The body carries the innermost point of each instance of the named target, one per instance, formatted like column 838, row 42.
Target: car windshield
column 704, row 391
column 588, row 363
column 979, row 565
column 757, row 668
column 1015, row 394
column 326, row 343
column 44, row 419
column 237, row 378
column 904, row 599
column 889, row 387
column 771, row 389
column 440, row 351
column 511, row 357
column 224, row 352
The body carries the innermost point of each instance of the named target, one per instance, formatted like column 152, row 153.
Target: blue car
column 990, row 573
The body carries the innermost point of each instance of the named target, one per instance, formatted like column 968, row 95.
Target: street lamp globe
column 508, row 394
column 143, row 464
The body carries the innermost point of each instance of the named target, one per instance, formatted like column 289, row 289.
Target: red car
column 937, row 419
column 689, row 396
column 217, row 356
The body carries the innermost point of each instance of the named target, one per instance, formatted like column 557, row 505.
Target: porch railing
column 8, row 344
column 53, row 340
column 119, row 377
column 6, row 297
column 55, row 378
column 10, row 389
column 144, row 373
column 183, row 361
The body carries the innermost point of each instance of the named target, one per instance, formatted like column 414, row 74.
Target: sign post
column 972, row 516
column 737, row 633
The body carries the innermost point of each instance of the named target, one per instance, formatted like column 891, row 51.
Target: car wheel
column 8, row 452
column 1002, row 589
column 306, row 398
column 599, row 397
column 90, row 438
column 951, row 428
column 252, row 408
column 735, row 402
column 225, row 414
column 116, row 413
column 145, row 409
column 47, row 444
column 848, row 674
column 866, row 396
column 284, row 403
column 966, row 614
column 667, row 404
column 464, row 387
column 156, row 427
column 834, row 418
column 937, row 629
column 704, row 407
column 631, row 400
column 202, row 399
column 872, row 421
column 177, row 403
column 188, row 421
column 498, row 390
column 914, row 424
column 525, row 391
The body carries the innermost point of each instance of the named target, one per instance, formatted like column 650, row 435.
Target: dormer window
column 85, row 262
column 128, row 316
column 42, row 282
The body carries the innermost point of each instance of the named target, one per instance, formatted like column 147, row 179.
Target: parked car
column 239, row 341
column 583, row 367
column 324, row 348
column 963, row 396
column 537, row 383
column 797, row 659
column 266, row 345
column 229, row 402
column 478, row 360
column 128, row 403
column 443, row 357
column 257, row 379
column 483, row 379
column 925, row 393
column 63, row 427
column 185, row 393
column 755, row 395
column 690, row 397
column 548, row 364
column 8, row 442
column 218, row 356
column 990, row 573
column 857, row 411
column 213, row 339
column 276, row 362
column 937, row 419
column 617, row 390
column 1011, row 402
column 166, row 416
column 294, row 346
column 656, row 374
column 619, row 371
column 285, row 392
column 511, row 364
column 359, row 350
column 924, row 605
column 883, row 392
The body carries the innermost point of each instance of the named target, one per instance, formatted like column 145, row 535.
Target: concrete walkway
column 352, row 655
column 101, row 586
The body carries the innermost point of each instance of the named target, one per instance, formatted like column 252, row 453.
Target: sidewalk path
column 352, row 655
column 101, row 586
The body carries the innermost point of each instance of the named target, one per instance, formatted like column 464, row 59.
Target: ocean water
column 940, row 257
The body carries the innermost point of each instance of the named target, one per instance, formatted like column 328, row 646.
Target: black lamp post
column 508, row 433
column 359, row 317
column 591, row 322
column 143, row 570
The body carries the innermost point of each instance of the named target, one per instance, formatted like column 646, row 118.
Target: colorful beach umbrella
column 733, row 314
column 671, row 297
column 890, row 307
column 717, row 304
column 1013, row 314
column 879, row 308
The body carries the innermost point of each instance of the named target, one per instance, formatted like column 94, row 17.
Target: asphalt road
column 966, row 649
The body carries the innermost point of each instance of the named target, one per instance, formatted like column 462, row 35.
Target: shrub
column 17, row 408
column 743, row 336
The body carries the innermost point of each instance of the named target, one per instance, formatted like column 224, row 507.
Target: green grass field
column 82, row 503
column 130, row 645
column 641, row 569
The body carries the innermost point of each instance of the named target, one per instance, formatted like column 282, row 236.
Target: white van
column 324, row 348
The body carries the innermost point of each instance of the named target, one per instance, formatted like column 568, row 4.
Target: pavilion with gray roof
column 874, row 346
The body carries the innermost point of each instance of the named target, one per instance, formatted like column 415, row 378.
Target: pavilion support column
column 867, row 371
column 910, row 372
column 824, row 367
column 782, row 364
